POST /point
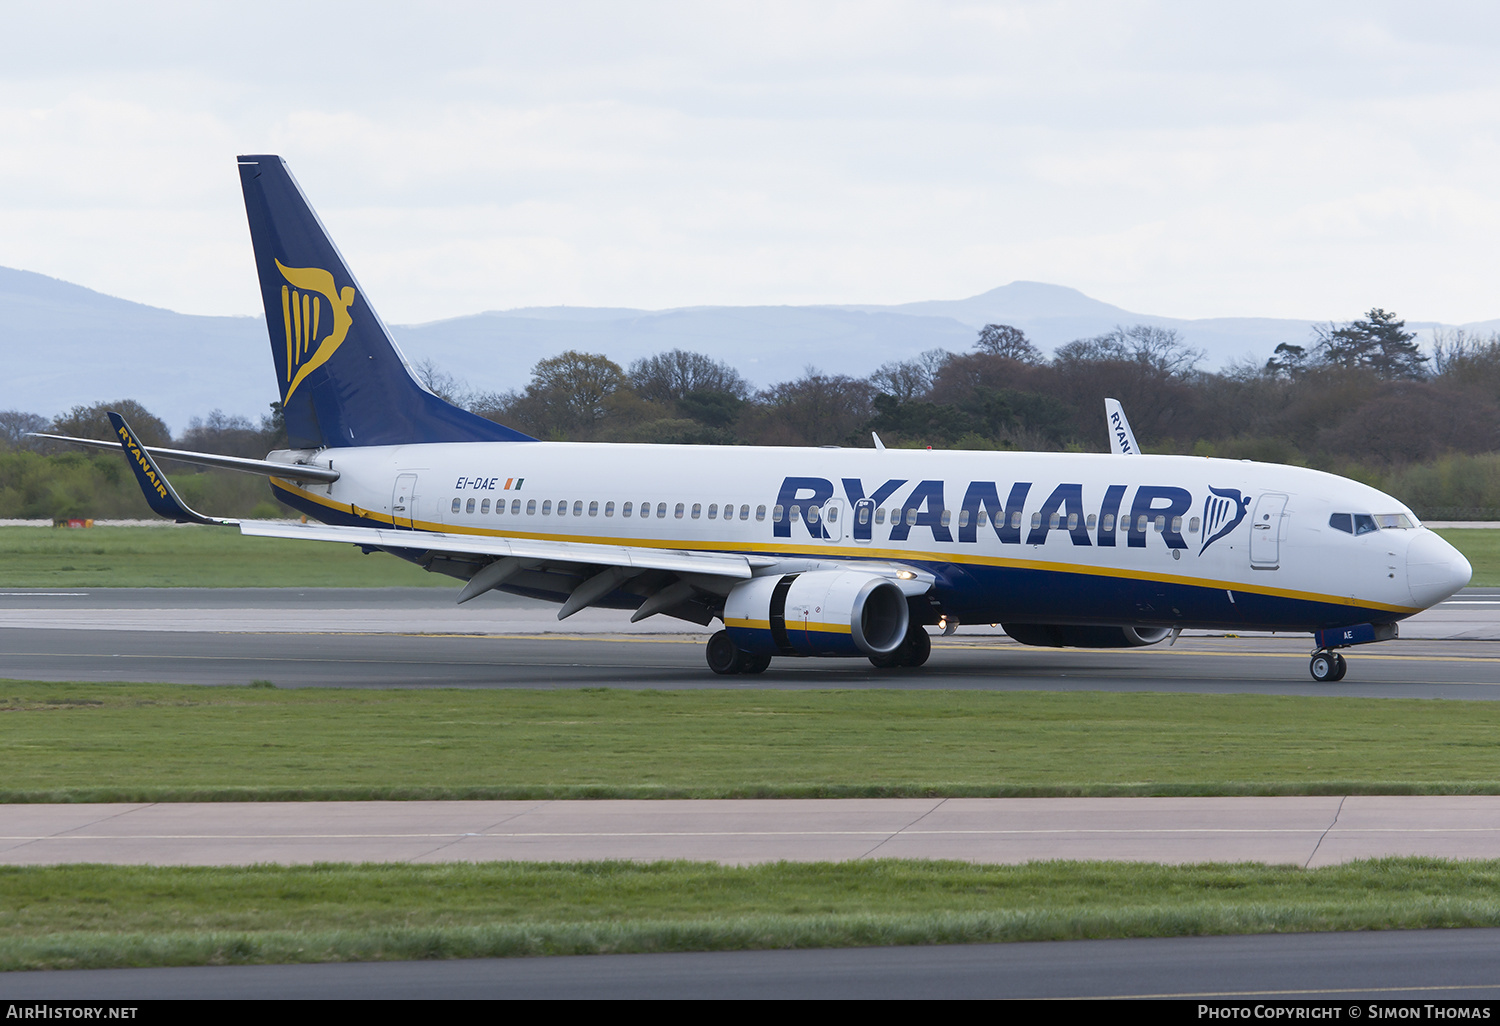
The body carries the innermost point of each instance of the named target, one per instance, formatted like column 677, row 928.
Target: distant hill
column 66, row 344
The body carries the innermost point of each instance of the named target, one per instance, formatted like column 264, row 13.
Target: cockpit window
column 1364, row 523
column 1342, row 522
column 1394, row 521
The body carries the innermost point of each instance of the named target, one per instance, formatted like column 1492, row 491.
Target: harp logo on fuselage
column 303, row 297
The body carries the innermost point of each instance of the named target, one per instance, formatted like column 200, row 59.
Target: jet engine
column 1065, row 636
column 817, row 613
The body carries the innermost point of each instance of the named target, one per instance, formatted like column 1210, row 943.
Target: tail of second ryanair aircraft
column 343, row 381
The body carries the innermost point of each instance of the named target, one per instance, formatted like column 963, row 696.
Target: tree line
column 1360, row 399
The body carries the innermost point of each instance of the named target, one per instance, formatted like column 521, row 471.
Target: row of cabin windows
column 814, row 514
column 482, row 506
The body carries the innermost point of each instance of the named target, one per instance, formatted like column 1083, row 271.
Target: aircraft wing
column 624, row 556
column 678, row 576
column 672, row 581
column 265, row 468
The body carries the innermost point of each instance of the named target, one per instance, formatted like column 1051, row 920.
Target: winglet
column 159, row 491
column 1121, row 438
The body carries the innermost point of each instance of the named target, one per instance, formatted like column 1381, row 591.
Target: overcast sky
column 1181, row 159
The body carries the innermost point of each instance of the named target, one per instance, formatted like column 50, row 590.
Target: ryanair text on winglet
column 140, row 457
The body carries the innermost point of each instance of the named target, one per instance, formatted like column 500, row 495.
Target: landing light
column 906, row 575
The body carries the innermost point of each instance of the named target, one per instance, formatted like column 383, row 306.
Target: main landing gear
column 726, row 658
column 1328, row 667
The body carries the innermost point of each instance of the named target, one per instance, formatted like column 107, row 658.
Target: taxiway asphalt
column 416, row 637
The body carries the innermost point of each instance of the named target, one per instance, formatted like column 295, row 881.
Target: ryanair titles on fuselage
column 1153, row 508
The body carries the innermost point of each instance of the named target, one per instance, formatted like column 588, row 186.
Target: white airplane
column 798, row 551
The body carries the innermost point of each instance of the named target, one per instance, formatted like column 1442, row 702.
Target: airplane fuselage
column 1054, row 538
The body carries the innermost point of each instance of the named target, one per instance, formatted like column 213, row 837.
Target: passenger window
column 594, row 508
column 1053, row 521
column 864, row 515
column 775, row 514
column 833, row 514
column 1160, row 523
column 982, row 519
column 1176, row 525
column 945, row 518
column 457, row 504
column 713, row 511
column 760, row 512
column 484, row 507
column 1140, row 524
column 1015, row 521
column 469, row 506
column 661, row 510
column 515, row 507
column 911, row 518
column 677, row 513
column 1072, row 521
column 697, row 510
column 578, row 507
column 963, row 518
column 1088, row 525
column 880, row 515
column 625, row 509
column 1036, row 521
column 1364, row 524
column 547, row 508
column 609, row 509
column 530, row 507
column 813, row 513
column 1193, row 526
column 796, row 514
column 1109, row 522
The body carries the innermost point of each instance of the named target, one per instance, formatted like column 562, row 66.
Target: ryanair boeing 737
column 799, row 552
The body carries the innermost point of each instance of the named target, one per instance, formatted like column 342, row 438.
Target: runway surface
column 416, row 637
column 1329, row 969
column 1305, row 831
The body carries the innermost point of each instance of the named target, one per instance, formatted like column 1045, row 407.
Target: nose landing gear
column 1328, row 667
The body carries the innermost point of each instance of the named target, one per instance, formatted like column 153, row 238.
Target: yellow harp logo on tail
column 302, row 301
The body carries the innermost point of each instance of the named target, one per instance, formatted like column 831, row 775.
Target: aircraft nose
column 1434, row 569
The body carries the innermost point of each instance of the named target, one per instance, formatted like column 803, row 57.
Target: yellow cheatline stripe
column 899, row 555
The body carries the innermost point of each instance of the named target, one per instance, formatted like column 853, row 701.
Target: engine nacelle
column 818, row 613
column 1065, row 636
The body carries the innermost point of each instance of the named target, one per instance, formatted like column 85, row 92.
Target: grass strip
column 87, row 916
column 153, row 557
column 187, row 557
column 161, row 742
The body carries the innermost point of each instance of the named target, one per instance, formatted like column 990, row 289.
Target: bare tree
column 14, row 425
column 673, row 376
column 906, row 380
column 1004, row 340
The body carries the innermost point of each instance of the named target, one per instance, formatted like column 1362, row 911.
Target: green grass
column 90, row 916
column 1481, row 546
column 154, row 557
column 135, row 742
column 191, row 557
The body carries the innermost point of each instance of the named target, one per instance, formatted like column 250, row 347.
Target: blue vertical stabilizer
column 343, row 381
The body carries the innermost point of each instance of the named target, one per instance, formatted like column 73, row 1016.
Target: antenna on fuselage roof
column 1121, row 438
